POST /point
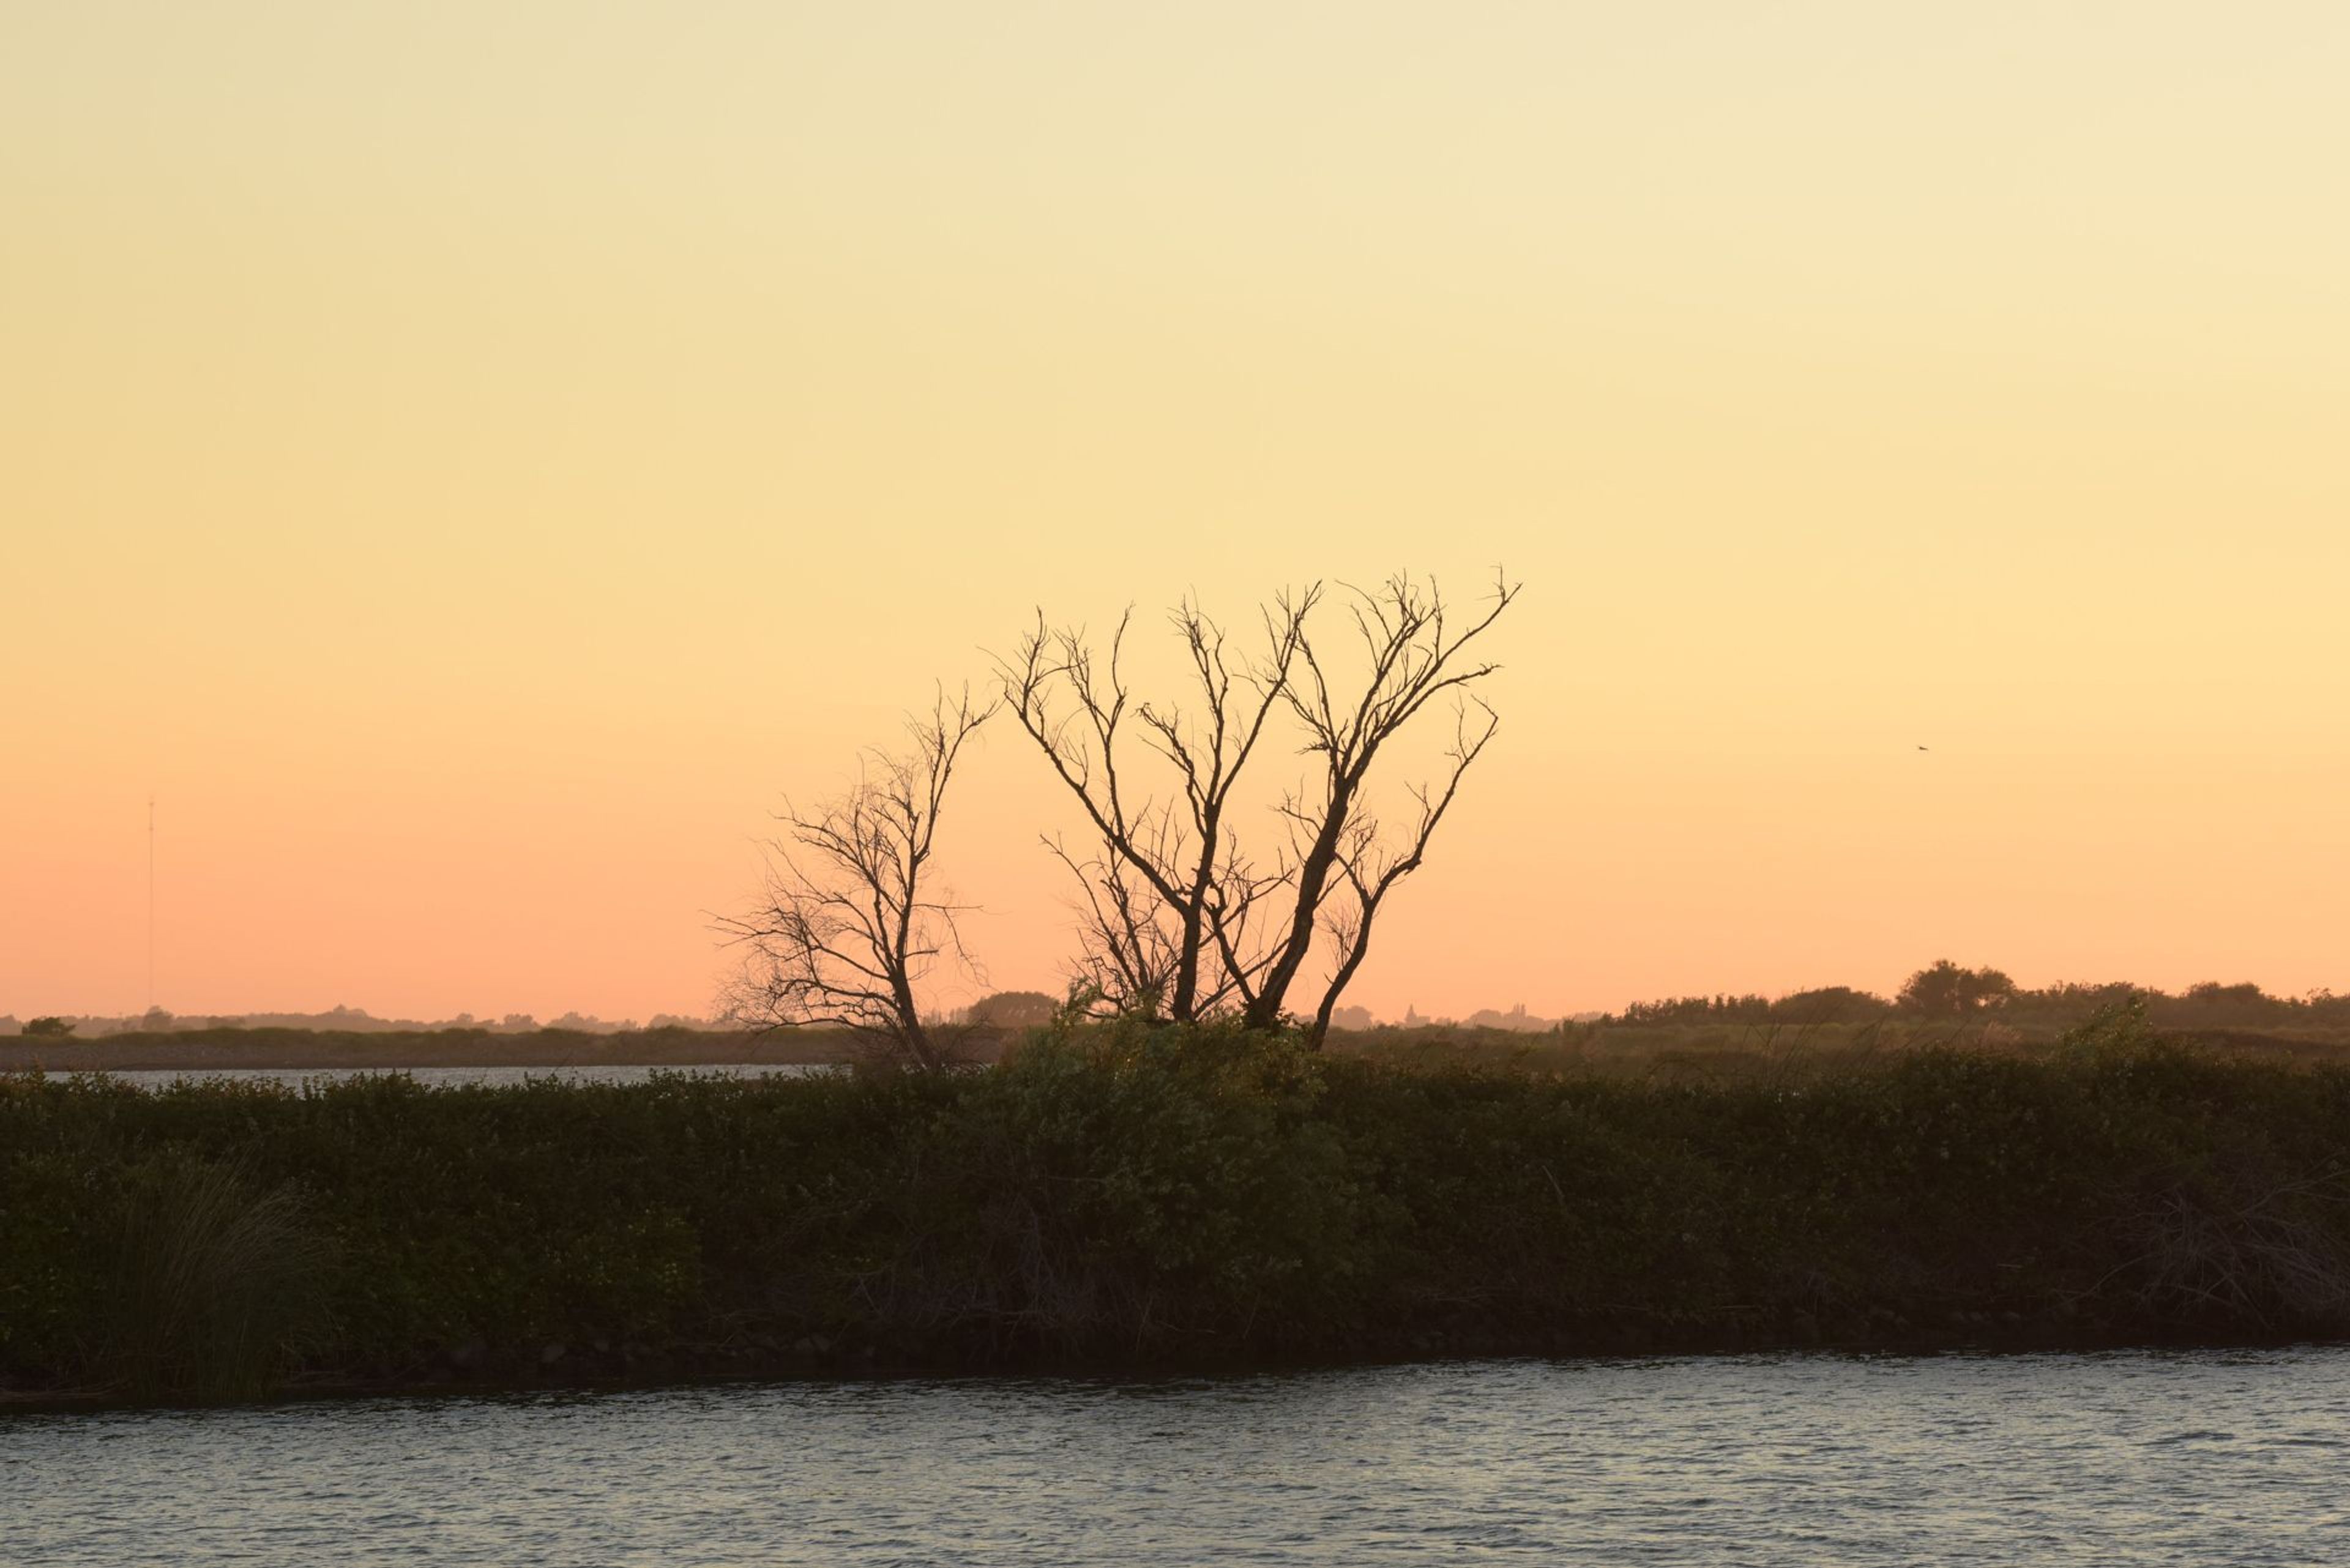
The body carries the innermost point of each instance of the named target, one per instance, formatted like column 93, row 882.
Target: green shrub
column 1187, row 1195
column 1131, row 1181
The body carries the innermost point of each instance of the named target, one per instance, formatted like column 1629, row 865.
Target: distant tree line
column 1946, row 990
column 337, row 1020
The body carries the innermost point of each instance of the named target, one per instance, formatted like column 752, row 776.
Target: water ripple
column 2141, row 1458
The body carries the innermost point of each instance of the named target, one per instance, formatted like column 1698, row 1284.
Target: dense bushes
column 1175, row 1195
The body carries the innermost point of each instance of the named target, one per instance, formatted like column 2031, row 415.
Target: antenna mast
column 150, row 901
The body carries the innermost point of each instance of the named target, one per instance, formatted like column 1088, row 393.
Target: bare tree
column 1414, row 656
column 1179, row 920
column 849, row 925
column 1369, row 871
column 1167, row 892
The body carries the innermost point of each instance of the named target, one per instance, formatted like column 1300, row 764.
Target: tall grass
column 219, row 1284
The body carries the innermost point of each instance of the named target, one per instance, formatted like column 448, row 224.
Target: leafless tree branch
column 1411, row 656
column 1166, row 897
column 1179, row 921
column 846, row 927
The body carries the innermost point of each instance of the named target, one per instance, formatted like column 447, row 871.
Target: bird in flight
column 1924, row 748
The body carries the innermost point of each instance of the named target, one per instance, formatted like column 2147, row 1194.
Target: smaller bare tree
column 849, row 924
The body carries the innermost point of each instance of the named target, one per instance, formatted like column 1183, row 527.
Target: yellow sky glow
column 470, row 462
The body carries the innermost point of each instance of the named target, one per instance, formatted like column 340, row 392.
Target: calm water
column 2200, row 1460
column 443, row 1077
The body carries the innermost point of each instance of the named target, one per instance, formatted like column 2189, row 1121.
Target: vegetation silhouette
column 1132, row 1192
column 849, row 924
column 1946, row 991
column 1724, row 1034
column 218, row 1285
column 1183, row 921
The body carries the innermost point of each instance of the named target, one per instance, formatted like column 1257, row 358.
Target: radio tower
column 150, row 902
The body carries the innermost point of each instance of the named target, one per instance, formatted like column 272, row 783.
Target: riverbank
column 1128, row 1198
column 1686, row 1051
column 199, row 1050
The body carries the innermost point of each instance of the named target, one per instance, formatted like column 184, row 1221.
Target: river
column 2202, row 1459
column 453, row 1078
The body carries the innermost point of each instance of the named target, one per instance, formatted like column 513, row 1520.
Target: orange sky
column 469, row 463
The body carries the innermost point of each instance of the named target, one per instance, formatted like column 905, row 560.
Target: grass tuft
column 219, row 1284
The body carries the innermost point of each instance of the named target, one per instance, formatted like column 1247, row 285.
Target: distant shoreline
column 1704, row 1052
column 197, row 1049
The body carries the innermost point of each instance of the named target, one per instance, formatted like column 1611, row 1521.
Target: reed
column 219, row 1284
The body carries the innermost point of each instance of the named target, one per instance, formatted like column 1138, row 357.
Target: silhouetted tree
column 1720, row 1008
column 1946, row 990
column 1343, row 879
column 1179, row 922
column 1015, row 1010
column 1830, row 1004
column 51, row 1028
column 2211, row 993
column 1345, row 867
column 1168, row 893
column 848, row 926
column 2074, row 998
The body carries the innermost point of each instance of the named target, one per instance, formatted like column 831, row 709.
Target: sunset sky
column 470, row 462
